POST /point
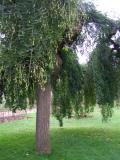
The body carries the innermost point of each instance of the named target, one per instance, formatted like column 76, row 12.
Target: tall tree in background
column 105, row 78
column 104, row 59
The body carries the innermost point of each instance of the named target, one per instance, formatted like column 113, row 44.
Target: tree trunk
column 60, row 122
column 42, row 120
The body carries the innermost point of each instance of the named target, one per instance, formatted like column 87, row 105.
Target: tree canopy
column 104, row 57
column 28, row 59
column 35, row 32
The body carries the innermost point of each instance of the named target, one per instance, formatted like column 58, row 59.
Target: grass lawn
column 84, row 139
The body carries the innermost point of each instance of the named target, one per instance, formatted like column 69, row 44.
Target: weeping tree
column 105, row 62
column 98, row 76
column 34, row 58
column 74, row 92
column 105, row 79
column 104, row 59
column 88, row 89
column 33, row 34
column 67, row 90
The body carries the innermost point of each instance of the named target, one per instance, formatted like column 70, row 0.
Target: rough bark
column 42, row 120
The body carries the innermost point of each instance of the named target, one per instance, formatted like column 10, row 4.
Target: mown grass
column 84, row 139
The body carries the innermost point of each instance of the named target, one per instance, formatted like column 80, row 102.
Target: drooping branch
column 69, row 37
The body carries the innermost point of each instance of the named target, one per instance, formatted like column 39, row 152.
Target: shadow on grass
column 67, row 144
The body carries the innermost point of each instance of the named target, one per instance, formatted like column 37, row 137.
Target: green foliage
column 104, row 60
column 67, row 91
column 74, row 91
column 104, row 75
column 89, row 94
column 33, row 30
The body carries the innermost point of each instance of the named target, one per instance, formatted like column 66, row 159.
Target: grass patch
column 84, row 139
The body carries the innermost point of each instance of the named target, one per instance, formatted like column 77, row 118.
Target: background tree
column 105, row 56
column 105, row 81
column 67, row 91
column 98, row 76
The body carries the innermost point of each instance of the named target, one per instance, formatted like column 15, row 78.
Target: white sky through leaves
column 109, row 7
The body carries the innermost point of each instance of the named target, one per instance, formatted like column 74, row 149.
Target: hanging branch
column 67, row 41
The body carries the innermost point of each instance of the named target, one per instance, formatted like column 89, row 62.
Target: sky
column 109, row 7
